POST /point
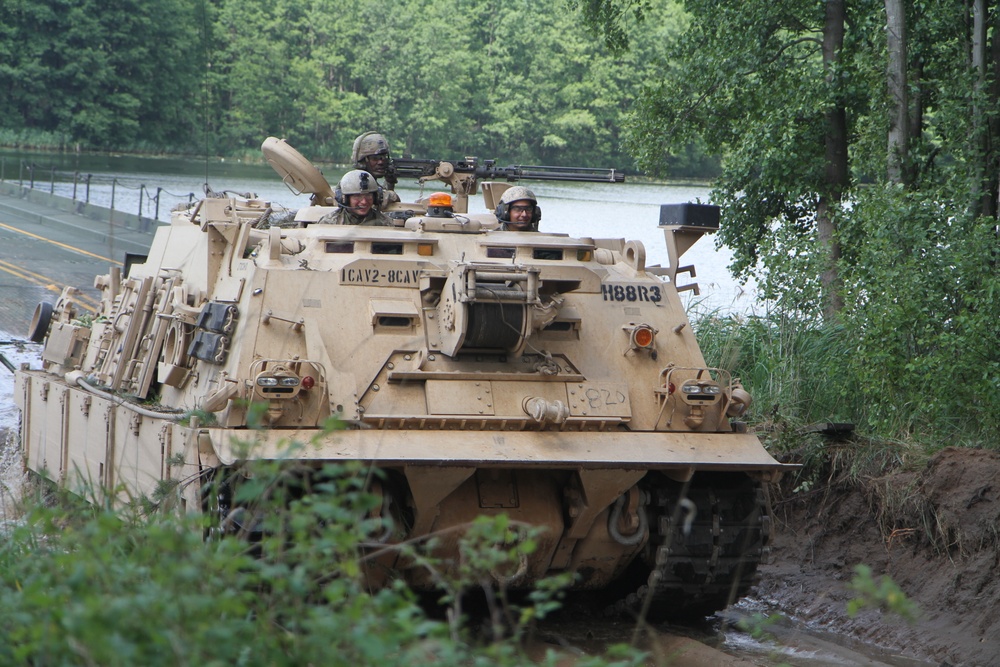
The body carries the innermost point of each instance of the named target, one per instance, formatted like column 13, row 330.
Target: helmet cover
column 369, row 143
column 357, row 182
column 514, row 194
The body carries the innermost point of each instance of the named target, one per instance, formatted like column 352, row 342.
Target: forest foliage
column 521, row 81
column 148, row 584
column 860, row 146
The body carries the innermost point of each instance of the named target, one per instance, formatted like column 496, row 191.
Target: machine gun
column 464, row 175
column 301, row 176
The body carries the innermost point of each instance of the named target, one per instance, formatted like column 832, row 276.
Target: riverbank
column 935, row 531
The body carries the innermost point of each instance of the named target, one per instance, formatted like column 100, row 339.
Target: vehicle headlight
column 701, row 391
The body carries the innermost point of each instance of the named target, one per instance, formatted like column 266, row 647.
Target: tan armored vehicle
column 550, row 378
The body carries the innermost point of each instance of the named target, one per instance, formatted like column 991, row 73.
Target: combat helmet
column 517, row 193
column 368, row 144
column 357, row 182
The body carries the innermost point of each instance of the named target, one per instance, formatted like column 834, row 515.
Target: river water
column 600, row 210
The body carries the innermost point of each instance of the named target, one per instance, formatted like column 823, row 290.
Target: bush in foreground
column 81, row 584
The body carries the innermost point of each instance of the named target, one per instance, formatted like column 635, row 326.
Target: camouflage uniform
column 342, row 216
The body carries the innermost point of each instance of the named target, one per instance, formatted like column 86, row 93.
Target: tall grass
column 802, row 372
column 35, row 139
column 41, row 140
column 790, row 368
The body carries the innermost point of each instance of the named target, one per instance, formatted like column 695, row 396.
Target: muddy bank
column 934, row 531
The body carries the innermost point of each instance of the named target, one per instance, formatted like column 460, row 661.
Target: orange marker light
column 643, row 336
column 440, row 199
column 425, row 249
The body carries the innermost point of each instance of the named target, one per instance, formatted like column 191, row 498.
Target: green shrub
column 81, row 584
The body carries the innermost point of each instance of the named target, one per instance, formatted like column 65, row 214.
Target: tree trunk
column 980, row 134
column 836, row 161
column 991, row 180
column 899, row 119
column 915, row 90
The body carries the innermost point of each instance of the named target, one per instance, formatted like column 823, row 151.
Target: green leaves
column 91, row 586
column 920, row 304
column 509, row 80
column 611, row 19
column 883, row 593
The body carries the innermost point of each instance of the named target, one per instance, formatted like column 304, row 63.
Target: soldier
column 358, row 195
column 518, row 210
column 371, row 153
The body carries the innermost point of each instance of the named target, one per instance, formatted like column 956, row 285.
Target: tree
column 984, row 109
column 899, row 113
column 23, row 73
column 794, row 102
column 768, row 86
column 448, row 78
column 836, row 181
column 785, row 93
column 102, row 74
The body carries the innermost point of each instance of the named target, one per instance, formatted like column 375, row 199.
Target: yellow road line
column 23, row 275
column 26, row 273
column 43, row 281
column 61, row 245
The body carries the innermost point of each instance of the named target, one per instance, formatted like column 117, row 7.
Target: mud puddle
column 771, row 638
column 749, row 634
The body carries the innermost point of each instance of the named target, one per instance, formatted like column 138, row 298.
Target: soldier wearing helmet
column 358, row 196
column 371, row 153
column 518, row 210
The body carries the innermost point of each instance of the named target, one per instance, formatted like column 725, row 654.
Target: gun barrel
column 546, row 173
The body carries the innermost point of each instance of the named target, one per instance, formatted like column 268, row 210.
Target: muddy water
column 599, row 210
column 718, row 643
column 780, row 640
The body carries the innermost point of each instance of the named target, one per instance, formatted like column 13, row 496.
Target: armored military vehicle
column 553, row 379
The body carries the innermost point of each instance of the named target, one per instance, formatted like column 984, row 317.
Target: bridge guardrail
column 76, row 186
